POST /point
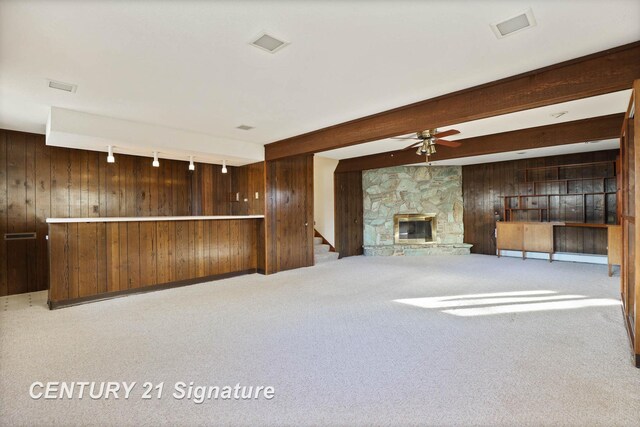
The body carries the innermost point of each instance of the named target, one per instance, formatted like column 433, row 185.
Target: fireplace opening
column 414, row 228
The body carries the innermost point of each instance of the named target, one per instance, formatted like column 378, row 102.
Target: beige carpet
column 386, row 341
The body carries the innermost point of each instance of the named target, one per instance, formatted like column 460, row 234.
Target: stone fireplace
column 413, row 210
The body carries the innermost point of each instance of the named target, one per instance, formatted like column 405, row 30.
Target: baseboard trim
column 54, row 305
column 558, row 256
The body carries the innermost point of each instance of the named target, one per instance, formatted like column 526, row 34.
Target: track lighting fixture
column 192, row 167
column 224, row 166
column 156, row 163
column 110, row 158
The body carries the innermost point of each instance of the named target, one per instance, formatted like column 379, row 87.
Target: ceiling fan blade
column 414, row 145
column 447, row 133
column 406, row 137
column 448, row 143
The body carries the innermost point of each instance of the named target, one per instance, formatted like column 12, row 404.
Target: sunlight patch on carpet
column 506, row 302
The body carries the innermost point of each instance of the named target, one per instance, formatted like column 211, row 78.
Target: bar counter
column 99, row 258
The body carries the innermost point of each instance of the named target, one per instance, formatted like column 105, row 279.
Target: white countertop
column 150, row 218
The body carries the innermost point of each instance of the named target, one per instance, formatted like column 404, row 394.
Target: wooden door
column 348, row 215
column 630, row 165
column 289, row 232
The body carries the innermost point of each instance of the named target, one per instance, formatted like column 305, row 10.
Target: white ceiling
column 188, row 65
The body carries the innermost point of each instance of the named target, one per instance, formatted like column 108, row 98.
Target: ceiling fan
column 427, row 140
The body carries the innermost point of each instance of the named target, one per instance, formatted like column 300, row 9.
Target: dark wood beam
column 593, row 129
column 603, row 72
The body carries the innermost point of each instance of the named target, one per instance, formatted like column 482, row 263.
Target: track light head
column 110, row 157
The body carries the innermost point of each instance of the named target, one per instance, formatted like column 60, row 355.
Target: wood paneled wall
column 348, row 217
column 233, row 193
column 213, row 190
column 484, row 185
column 289, row 213
column 248, row 190
column 98, row 259
column 38, row 181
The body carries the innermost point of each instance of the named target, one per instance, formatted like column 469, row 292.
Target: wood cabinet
column 525, row 237
column 540, row 237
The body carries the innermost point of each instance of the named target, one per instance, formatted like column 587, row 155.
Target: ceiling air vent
column 512, row 25
column 268, row 43
column 67, row 87
column 244, row 127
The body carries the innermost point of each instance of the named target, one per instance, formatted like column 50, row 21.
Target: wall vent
column 20, row 236
column 514, row 24
column 269, row 43
column 67, row 87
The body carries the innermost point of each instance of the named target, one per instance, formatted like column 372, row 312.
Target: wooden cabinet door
column 614, row 244
column 538, row 238
column 510, row 236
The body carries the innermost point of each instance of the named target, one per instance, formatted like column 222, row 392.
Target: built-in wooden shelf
column 576, row 193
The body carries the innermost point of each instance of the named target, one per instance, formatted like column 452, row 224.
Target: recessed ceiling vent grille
column 67, row 87
column 269, row 43
column 244, row 127
column 515, row 24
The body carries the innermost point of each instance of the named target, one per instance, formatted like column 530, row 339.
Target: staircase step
column 317, row 240
column 326, row 257
column 321, row 249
